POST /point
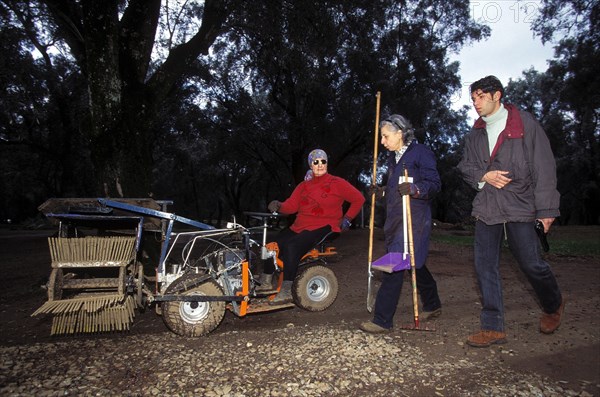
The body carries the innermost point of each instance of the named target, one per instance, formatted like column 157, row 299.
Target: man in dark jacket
column 397, row 135
column 508, row 160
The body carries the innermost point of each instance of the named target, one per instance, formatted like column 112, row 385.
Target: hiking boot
column 433, row 314
column 550, row 322
column 372, row 328
column 485, row 338
column 265, row 282
column 284, row 295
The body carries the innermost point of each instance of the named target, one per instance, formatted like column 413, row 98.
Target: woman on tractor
column 317, row 201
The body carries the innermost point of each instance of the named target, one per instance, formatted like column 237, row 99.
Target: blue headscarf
column 316, row 154
column 312, row 156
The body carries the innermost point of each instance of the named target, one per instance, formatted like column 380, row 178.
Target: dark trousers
column 293, row 246
column 389, row 294
column 524, row 245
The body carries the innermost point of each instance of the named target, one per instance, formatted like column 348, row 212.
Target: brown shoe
column 433, row 314
column 265, row 283
column 485, row 338
column 372, row 328
column 550, row 322
column 284, row 295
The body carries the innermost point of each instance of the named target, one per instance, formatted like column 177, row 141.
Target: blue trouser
column 389, row 294
column 523, row 243
column 293, row 246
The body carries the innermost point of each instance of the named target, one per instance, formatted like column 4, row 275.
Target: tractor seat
column 322, row 251
column 328, row 238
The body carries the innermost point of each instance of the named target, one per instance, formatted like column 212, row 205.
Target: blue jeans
column 389, row 294
column 524, row 245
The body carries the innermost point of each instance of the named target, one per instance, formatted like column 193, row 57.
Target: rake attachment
column 84, row 304
column 90, row 314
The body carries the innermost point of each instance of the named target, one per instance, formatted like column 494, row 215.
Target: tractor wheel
column 194, row 318
column 315, row 289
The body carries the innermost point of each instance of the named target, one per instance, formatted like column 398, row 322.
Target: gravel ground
column 298, row 353
column 291, row 361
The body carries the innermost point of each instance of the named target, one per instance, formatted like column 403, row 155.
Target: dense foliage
column 215, row 104
column 566, row 99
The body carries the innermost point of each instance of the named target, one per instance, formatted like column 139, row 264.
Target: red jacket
column 318, row 202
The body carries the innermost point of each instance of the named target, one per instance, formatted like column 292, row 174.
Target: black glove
column 345, row 224
column 407, row 188
column 274, row 206
column 379, row 191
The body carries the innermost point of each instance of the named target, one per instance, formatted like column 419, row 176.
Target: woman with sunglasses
column 317, row 203
column 397, row 135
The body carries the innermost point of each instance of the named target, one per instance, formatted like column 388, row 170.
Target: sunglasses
column 323, row 161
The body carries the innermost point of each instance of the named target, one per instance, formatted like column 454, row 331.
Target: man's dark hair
column 488, row 84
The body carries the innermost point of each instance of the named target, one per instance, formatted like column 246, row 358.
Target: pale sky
column 509, row 50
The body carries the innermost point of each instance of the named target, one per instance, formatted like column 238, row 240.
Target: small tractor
column 113, row 257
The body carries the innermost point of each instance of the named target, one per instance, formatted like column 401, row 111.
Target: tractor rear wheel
column 194, row 318
column 315, row 289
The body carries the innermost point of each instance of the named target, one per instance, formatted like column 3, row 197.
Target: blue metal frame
column 172, row 218
column 154, row 213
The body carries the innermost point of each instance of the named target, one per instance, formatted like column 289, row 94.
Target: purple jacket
column 523, row 149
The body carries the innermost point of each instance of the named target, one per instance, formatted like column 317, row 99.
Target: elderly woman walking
column 397, row 135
